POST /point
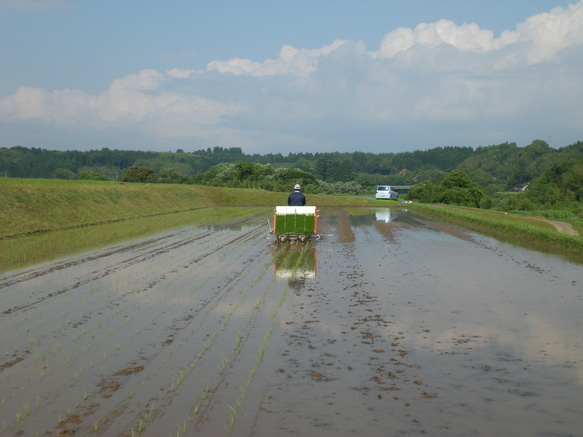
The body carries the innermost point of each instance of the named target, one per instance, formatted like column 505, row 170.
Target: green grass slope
column 39, row 205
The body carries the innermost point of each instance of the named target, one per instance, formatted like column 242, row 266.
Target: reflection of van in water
column 386, row 192
column 384, row 215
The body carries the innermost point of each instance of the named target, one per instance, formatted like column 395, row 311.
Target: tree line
column 495, row 168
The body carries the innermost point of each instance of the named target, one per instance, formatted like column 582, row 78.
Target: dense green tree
column 140, row 174
column 171, row 176
column 559, row 184
column 456, row 179
column 250, row 171
column 495, row 168
column 90, row 176
column 425, row 192
column 456, row 188
column 63, row 173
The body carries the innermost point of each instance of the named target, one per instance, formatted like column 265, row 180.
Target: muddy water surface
column 390, row 324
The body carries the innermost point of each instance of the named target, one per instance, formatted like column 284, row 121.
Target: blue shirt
column 296, row 199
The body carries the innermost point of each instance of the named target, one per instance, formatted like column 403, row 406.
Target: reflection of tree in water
column 362, row 219
column 228, row 227
column 296, row 263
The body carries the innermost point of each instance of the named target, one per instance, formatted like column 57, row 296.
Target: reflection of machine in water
column 296, row 263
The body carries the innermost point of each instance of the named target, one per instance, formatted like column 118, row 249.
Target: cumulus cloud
column 467, row 37
column 550, row 33
column 439, row 83
column 544, row 35
column 296, row 62
column 132, row 99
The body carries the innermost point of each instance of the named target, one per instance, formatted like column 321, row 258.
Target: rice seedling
column 238, row 340
column 223, row 365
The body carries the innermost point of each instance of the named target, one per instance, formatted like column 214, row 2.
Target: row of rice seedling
column 236, row 406
column 166, row 368
column 110, row 332
column 214, row 350
column 171, row 366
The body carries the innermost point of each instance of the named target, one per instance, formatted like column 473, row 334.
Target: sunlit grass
column 518, row 228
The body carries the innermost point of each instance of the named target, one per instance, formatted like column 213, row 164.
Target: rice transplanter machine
column 295, row 223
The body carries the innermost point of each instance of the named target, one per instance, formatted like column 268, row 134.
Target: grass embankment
column 30, row 206
column 514, row 227
column 33, row 205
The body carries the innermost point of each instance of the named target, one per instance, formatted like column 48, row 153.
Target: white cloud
column 177, row 73
column 437, row 84
column 131, row 99
column 467, row 37
column 544, row 35
column 550, row 33
column 292, row 61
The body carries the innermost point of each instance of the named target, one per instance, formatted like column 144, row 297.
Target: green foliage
column 251, row 172
column 456, row 179
column 141, row 174
column 171, row 176
column 456, row 188
column 426, row 192
column 522, row 229
column 63, row 173
column 291, row 176
column 559, row 184
column 90, row 176
column 341, row 188
column 334, row 169
column 495, row 168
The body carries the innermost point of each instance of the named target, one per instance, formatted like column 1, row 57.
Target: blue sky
column 290, row 76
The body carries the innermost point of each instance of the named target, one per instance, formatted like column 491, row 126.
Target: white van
column 386, row 192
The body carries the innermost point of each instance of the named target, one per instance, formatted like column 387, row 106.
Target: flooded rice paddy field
column 390, row 324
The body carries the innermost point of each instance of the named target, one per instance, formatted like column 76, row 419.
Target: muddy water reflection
column 416, row 326
column 295, row 263
column 390, row 324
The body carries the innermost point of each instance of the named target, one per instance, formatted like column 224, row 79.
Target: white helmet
column 297, row 187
